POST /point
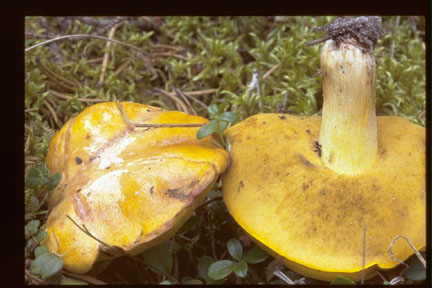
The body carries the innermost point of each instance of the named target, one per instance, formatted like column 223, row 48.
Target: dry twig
column 412, row 247
column 106, row 56
column 200, row 92
column 54, row 115
column 43, row 201
column 81, row 36
column 121, row 68
column 150, row 125
column 169, row 54
column 196, row 100
column 37, row 36
column 67, row 97
column 164, row 46
column 191, row 241
column 268, row 73
column 179, row 103
column 422, row 114
column 34, row 279
column 94, row 60
column 284, row 277
column 112, row 250
column 381, row 276
column 59, row 80
column 185, row 99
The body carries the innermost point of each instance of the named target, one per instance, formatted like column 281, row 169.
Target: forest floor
column 189, row 64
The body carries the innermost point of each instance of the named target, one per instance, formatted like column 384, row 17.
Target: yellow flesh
column 280, row 192
column 134, row 187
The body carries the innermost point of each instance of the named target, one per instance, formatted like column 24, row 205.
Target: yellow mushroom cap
column 131, row 187
column 311, row 218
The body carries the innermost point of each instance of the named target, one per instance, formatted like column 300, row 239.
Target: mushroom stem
column 348, row 134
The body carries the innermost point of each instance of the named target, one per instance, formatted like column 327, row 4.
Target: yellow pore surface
column 279, row 191
column 131, row 188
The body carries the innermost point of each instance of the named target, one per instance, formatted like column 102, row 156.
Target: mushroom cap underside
column 131, row 188
column 279, row 191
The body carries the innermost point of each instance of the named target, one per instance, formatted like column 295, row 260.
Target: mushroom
column 130, row 188
column 305, row 187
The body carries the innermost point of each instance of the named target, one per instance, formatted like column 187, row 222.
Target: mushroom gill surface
column 310, row 217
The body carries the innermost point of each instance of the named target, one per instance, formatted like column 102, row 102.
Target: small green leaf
column 72, row 281
column 31, row 228
column 159, row 259
column 41, row 235
column 342, row 280
column 36, row 265
column 35, row 178
column 416, row 271
column 220, row 269
column 256, row 255
column 203, row 264
column 240, row 269
column 235, row 248
column 45, row 171
column 228, row 116
column 30, row 247
column 207, row 129
column 55, row 180
column 213, row 109
column 40, row 250
column 223, row 125
column 33, row 204
column 46, row 265
column 165, row 282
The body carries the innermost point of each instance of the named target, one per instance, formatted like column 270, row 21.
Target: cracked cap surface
column 131, row 188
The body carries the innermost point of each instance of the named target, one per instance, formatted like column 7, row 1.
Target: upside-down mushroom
column 131, row 188
column 306, row 187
